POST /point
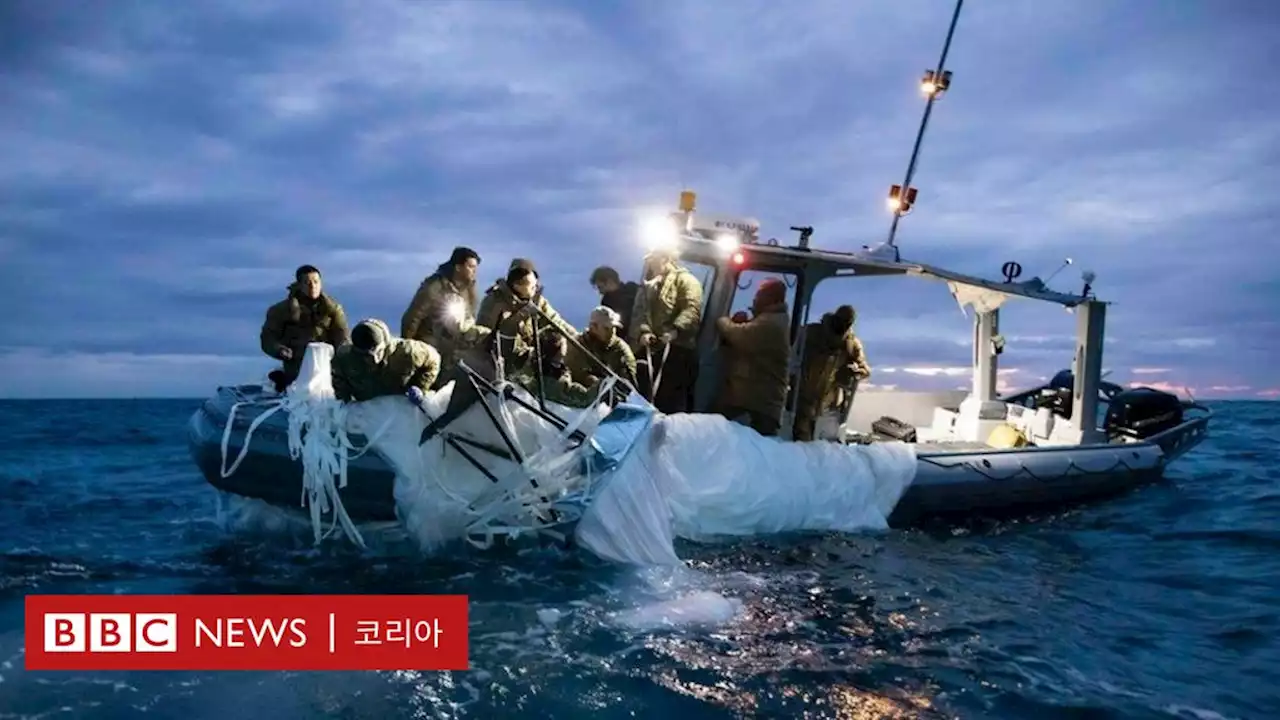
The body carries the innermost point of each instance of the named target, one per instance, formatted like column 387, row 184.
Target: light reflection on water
column 1114, row 609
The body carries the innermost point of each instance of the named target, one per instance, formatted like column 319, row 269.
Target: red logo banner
column 247, row 632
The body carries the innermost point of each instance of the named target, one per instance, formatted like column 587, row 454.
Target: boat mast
column 934, row 83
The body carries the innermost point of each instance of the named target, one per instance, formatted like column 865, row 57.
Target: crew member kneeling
column 376, row 363
column 601, row 340
column 557, row 383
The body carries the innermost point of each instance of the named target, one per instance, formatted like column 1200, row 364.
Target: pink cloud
column 1211, row 391
column 1166, row 387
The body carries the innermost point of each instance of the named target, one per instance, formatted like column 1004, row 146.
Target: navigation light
column 739, row 258
column 899, row 202
column 934, row 84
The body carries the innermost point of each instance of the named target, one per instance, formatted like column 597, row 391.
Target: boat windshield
column 706, row 275
column 749, row 282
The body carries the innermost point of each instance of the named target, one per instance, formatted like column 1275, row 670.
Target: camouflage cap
column 369, row 335
column 606, row 315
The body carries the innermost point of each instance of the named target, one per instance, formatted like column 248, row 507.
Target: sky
column 167, row 165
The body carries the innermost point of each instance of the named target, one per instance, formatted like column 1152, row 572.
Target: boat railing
column 248, row 394
column 1177, row 440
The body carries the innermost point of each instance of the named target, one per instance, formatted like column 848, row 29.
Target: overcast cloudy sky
column 166, row 165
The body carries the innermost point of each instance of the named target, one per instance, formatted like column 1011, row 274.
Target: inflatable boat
column 955, row 480
column 1077, row 438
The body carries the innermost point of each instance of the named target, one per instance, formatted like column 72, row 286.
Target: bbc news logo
column 246, row 632
column 110, row 632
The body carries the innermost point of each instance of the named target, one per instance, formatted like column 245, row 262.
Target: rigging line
column 924, row 121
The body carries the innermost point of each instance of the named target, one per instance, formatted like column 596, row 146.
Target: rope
column 512, row 507
column 515, row 493
column 317, row 435
column 515, row 499
column 656, row 379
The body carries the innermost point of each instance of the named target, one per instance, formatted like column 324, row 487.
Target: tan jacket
column 670, row 302
column 759, row 352
column 424, row 319
column 616, row 355
column 830, row 363
column 499, row 311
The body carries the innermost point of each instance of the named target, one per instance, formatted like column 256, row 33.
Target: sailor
column 443, row 310
column 833, row 364
column 557, row 384
column 602, row 341
column 377, row 364
column 668, row 313
column 305, row 316
column 511, row 308
column 616, row 295
column 759, row 351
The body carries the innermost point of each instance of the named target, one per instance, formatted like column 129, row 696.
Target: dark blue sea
column 1162, row 604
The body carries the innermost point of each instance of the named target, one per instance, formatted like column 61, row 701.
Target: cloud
column 54, row 374
column 1166, row 387
column 167, row 166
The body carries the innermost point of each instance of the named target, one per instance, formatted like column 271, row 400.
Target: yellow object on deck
column 1007, row 436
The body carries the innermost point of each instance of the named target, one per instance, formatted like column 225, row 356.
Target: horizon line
column 201, row 398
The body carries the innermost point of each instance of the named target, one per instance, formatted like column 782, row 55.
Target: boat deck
column 929, row 446
column 953, row 446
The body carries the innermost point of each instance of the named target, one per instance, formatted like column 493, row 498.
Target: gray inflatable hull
column 952, row 483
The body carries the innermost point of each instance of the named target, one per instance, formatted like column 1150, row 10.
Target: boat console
column 1039, row 416
column 1066, row 411
column 953, row 417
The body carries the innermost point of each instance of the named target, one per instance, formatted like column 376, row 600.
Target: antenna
column 1061, row 267
column 935, row 82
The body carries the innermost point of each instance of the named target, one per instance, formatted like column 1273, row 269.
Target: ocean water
column 1164, row 603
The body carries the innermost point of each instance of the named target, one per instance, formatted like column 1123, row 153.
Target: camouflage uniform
column 297, row 321
column 559, row 389
column 756, row 367
column 833, row 364
column 667, row 303
column 396, row 365
column 500, row 311
column 426, row 318
column 670, row 302
column 615, row 354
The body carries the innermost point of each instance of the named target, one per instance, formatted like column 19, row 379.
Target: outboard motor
column 1057, row 394
column 1142, row 412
